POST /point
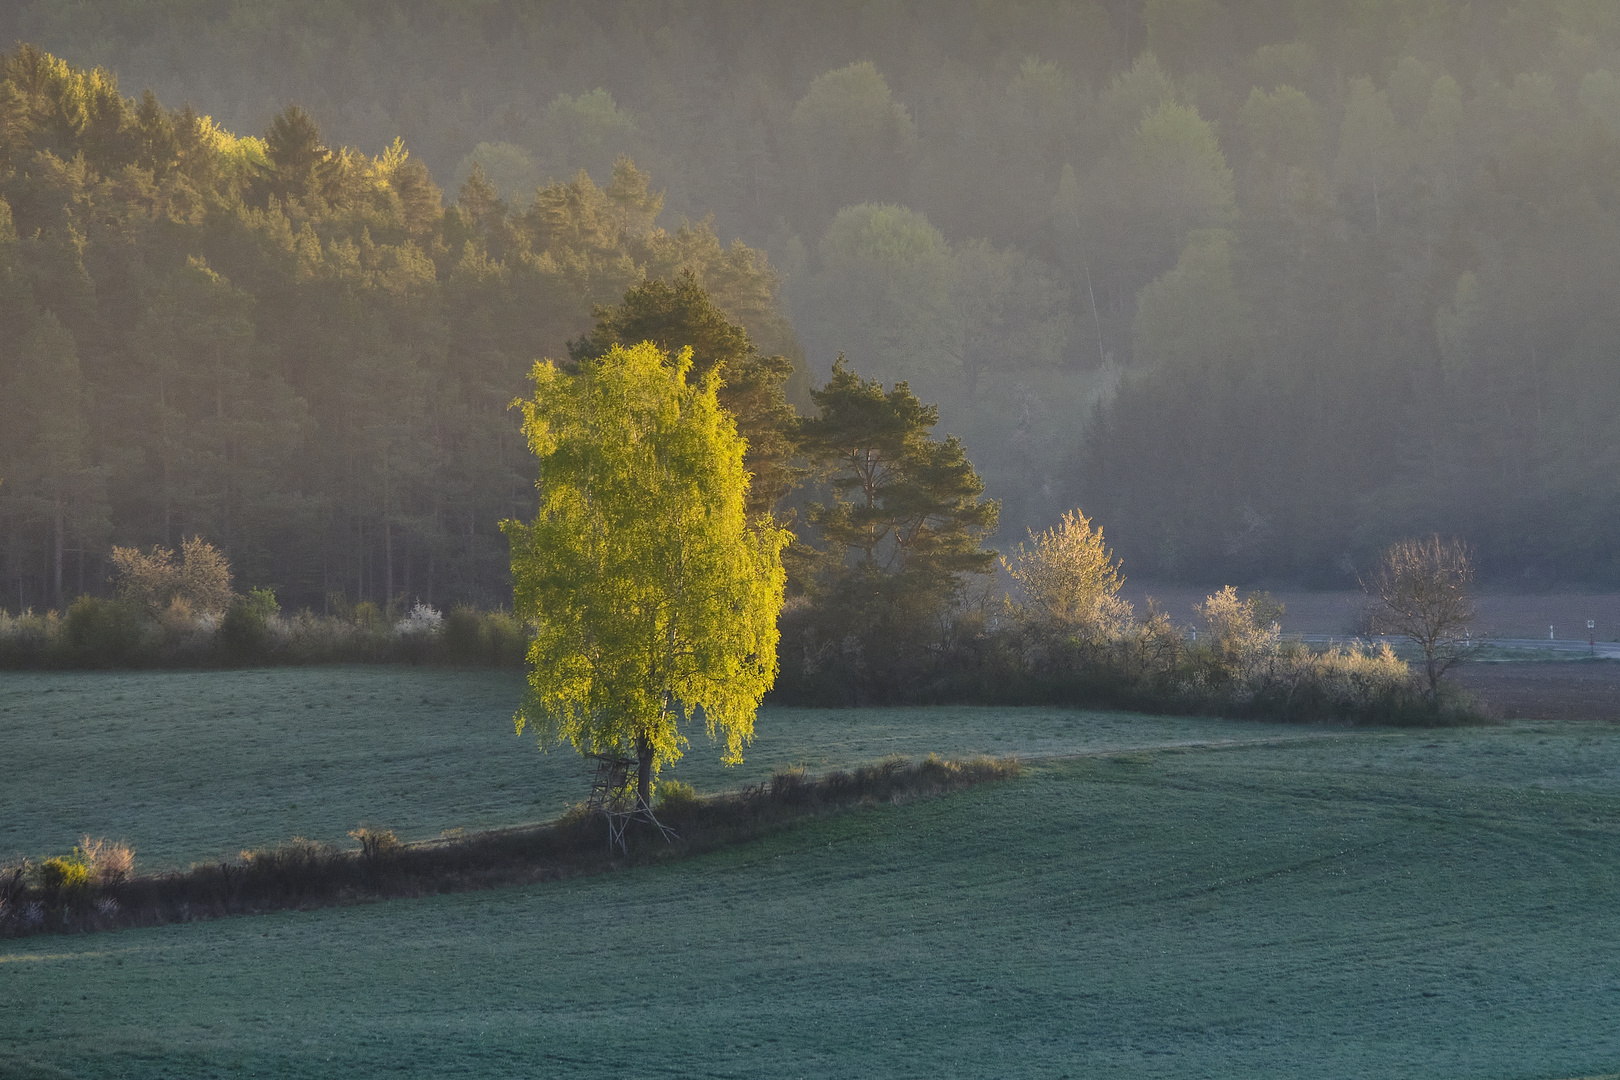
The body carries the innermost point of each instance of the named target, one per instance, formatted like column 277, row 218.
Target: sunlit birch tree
column 652, row 598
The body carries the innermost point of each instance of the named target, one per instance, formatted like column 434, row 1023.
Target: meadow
column 1155, row 897
column 195, row 766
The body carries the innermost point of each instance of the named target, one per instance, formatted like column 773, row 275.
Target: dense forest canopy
column 295, row 351
column 1261, row 284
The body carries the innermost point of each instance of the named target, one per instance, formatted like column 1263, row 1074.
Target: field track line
column 1075, row 755
column 17, row 958
column 1219, row 744
column 675, row 1070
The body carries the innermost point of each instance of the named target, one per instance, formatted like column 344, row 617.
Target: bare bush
column 106, row 862
column 200, row 578
column 1339, row 681
column 376, row 844
column 147, row 579
column 1423, row 591
column 205, row 577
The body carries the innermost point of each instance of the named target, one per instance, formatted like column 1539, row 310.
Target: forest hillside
column 1261, row 285
column 295, row 351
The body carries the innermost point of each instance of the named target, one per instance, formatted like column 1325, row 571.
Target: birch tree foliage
column 652, row 598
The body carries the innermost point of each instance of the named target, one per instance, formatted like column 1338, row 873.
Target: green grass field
column 192, row 766
column 1363, row 904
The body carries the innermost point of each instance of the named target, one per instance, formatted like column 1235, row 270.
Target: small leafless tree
column 1422, row 590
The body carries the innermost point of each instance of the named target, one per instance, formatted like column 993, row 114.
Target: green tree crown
column 680, row 315
column 905, row 503
column 652, row 598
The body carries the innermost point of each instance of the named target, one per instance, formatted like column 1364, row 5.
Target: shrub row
column 1238, row 664
column 1234, row 662
column 118, row 633
column 93, row 889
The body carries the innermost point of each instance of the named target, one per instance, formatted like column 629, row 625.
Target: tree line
column 1265, row 285
column 300, row 355
column 297, row 352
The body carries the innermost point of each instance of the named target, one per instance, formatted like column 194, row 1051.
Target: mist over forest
column 1261, row 285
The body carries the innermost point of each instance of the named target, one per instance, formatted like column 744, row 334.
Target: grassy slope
column 190, row 766
column 1382, row 905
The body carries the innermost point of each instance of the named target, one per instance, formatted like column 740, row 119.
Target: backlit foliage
column 200, row 579
column 292, row 347
column 1069, row 579
column 652, row 598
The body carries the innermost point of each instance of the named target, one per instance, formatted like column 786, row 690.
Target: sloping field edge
column 303, row 875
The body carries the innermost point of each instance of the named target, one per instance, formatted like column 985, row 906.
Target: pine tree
column 53, row 481
column 905, row 503
column 680, row 315
column 900, row 535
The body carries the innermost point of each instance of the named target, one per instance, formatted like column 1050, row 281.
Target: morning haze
column 1265, row 286
column 731, row 400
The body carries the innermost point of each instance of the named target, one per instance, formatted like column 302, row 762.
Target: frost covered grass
column 1334, row 904
column 92, row 889
column 193, row 766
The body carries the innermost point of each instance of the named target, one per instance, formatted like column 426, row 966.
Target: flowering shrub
column 419, row 621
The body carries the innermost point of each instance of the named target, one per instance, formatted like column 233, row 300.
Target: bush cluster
column 79, row 890
column 1233, row 662
column 119, row 633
